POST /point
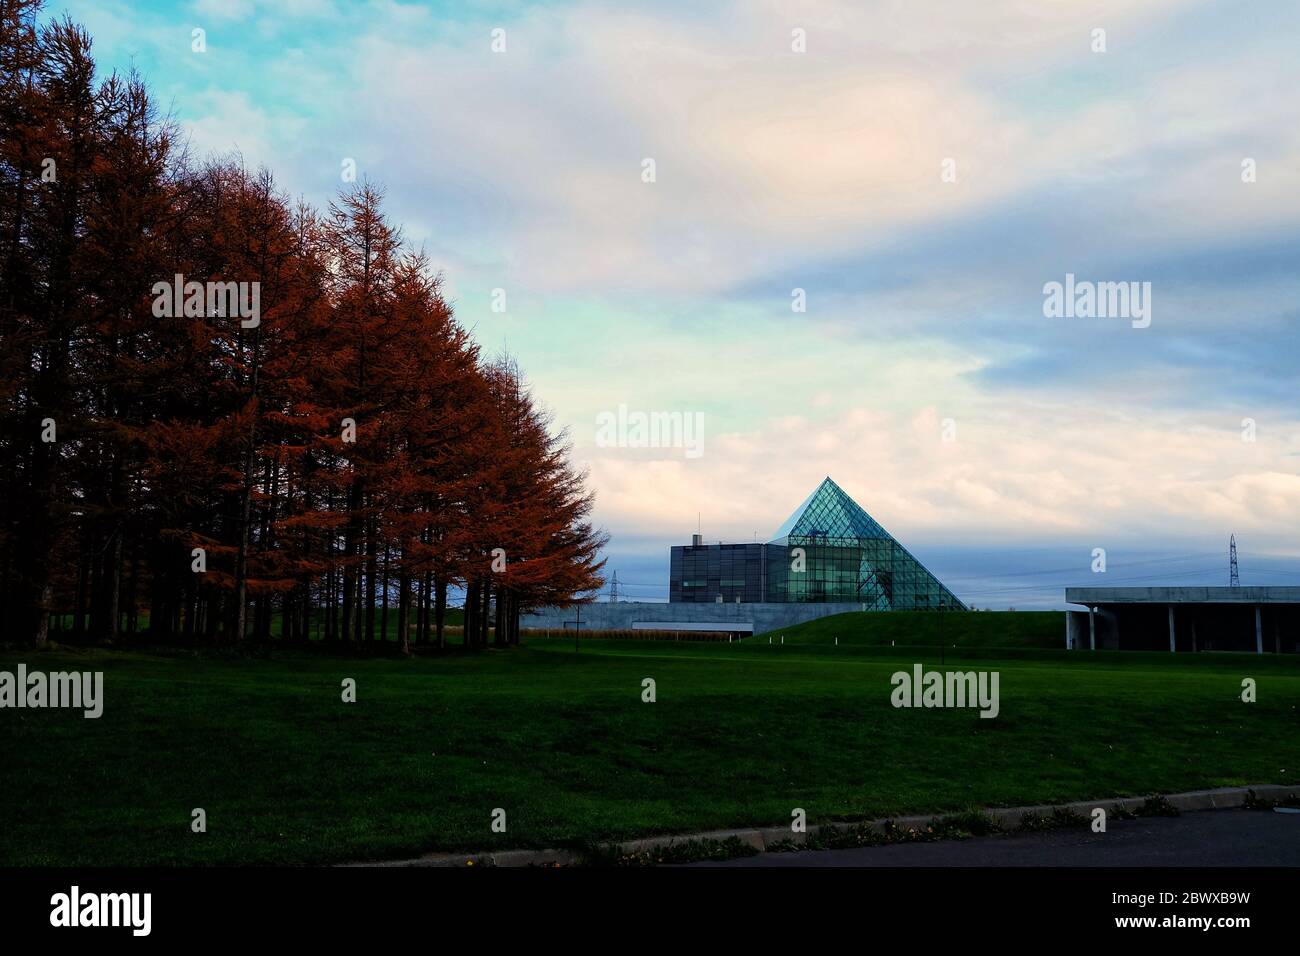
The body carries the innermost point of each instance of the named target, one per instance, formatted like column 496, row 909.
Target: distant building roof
column 1186, row 595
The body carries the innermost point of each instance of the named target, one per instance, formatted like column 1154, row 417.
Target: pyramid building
column 828, row 551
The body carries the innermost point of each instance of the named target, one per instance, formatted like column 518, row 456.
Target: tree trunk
column 113, row 583
column 470, row 626
column 383, row 619
column 499, row 634
column 485, row 620
column 372, row 569
column 404, row 606
column 440, row 609
column 83, row 583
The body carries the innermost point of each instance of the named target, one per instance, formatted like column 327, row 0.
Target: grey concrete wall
column 1076, row 630
column 620, row 617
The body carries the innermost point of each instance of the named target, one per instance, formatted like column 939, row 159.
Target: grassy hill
column 930, row 629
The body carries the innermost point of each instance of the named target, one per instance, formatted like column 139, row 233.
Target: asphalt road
column 1207, row 838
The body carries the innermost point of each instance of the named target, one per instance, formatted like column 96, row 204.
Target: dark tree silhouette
column 197, row 469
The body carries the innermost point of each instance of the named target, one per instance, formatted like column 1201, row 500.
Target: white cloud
column 224, row 9
column 1049, row 469
column 767, row 158
column 225, row 122
column 524, row 168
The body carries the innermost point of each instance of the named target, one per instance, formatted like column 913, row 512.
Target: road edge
column 761, row 838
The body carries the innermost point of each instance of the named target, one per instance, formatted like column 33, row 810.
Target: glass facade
column 829, row 550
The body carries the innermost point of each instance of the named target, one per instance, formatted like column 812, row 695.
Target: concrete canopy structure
column 1185, row 619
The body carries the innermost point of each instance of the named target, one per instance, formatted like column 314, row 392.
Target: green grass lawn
column 740, row 735
column 930, row 629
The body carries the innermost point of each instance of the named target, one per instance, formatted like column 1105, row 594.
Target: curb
column 1223, row 798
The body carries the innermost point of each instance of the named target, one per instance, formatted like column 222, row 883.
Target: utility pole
column 1234, row 578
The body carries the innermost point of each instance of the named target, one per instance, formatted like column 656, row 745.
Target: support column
column 1194, row 648
column 1092, row 627
column 1172, row 645
column 1259, row 632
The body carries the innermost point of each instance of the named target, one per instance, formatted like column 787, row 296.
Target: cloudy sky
column 920, row 170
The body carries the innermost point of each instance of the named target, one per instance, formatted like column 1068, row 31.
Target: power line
column 1125, row 564
column 1129, row 580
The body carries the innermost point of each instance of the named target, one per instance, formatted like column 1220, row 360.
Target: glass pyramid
column 848, row 556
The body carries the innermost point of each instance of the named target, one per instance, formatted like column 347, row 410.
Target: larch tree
column 222, row 409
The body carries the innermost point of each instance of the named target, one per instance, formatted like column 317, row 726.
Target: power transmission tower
column 613, row 589
column 1234, row 579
